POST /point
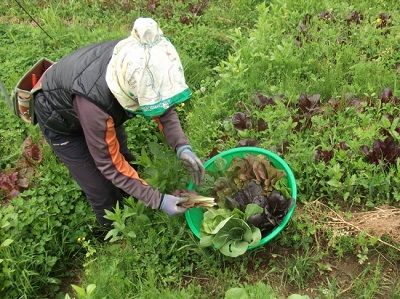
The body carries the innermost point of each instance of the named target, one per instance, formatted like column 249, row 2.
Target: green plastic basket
column 194, row 216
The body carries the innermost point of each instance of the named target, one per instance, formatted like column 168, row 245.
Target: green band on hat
column 160, row 107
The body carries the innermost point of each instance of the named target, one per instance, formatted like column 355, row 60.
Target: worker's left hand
column 192, row 162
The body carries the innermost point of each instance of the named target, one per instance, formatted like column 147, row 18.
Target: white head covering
column 145, row 73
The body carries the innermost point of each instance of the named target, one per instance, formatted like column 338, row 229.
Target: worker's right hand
column 170, row 205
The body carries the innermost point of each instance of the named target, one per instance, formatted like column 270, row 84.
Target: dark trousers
column 74, row 153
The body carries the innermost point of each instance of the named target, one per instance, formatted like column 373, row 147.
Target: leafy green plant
column 258, row 290
column 160, row 167
column 120, row 217
column 228, row 231
column 82, row 293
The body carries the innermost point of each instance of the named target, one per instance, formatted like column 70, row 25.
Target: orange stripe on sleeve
column 117, row 158
column 159, row 124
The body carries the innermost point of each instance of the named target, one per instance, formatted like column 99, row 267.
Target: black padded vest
column 82, row 72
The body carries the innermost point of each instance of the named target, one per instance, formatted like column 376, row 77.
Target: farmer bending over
column 87, row 96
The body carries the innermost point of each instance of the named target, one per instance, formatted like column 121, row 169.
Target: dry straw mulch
column 380, row 222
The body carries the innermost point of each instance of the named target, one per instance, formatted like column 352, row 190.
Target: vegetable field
column 316, row 82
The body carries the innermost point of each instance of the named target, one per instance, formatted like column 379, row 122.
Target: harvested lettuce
column 228, row 230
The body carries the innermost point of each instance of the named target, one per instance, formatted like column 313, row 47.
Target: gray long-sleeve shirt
column 101, row 139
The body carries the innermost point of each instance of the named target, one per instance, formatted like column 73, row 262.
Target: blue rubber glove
column 170, row 205
column 192, row 163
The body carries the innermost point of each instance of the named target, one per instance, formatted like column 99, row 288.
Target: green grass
column 300, row 267
column 367, row 283
column 233, row 50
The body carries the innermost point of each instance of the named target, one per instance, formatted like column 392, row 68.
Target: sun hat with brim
column 145, row 73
